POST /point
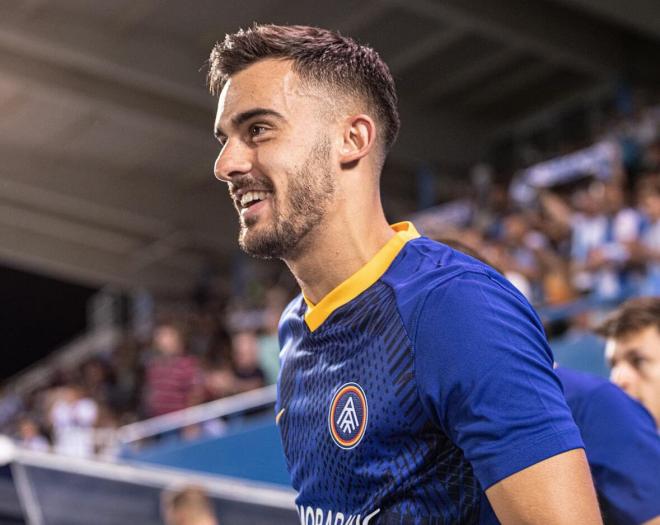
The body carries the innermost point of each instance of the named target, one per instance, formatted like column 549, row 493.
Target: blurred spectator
column 128, row 371
column 521, row 264
column 627, row 221
column 105, row 433
column 30, row 437
column 555, row 282
column 96, row 379
column 594, row 251
column 521, row 242
column 73, row 416
column 269, row 345
column 219, row 349
column 245, row 354
column 203, row 328
column 172, row 378
column 498, row 254
column 651, row 158
column 219, row 381
column 11, row 405
column 601, row 227
column 647, row 251
column 188, row 506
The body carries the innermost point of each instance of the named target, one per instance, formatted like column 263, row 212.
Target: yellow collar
column 362, row 279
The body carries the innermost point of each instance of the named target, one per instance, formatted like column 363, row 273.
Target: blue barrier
column 252, row 452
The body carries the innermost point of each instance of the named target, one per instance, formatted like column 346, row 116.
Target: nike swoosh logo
column 279, row 416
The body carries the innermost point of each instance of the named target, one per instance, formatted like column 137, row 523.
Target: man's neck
column 337, row 251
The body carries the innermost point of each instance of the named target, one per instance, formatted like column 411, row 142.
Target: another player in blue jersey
column 623, row 448
column 633, row 351
column 416, row 384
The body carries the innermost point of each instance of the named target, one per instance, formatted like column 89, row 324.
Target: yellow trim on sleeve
column 362, row 279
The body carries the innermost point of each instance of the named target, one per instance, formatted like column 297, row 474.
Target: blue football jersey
column 412, row 387
column 622, row 445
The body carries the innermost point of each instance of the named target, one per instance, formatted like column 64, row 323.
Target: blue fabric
column 498, row 399
column 459, row 385
column 622, row 444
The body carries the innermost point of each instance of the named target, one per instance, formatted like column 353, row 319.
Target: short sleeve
column 623, row 448
column 485, row 376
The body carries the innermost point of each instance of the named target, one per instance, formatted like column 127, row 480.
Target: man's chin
column 263, row 245
column 270, row 243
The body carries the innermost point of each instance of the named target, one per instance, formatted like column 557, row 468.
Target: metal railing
column 39, row 476
column 227, row 406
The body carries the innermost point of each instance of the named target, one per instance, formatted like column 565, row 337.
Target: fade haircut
column 320, row 57
column 631, row 317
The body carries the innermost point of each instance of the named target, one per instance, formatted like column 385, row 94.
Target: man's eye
column 636, row 361
column 256, row 130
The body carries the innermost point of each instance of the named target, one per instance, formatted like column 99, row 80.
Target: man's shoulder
column 428, row 272
column 426, row 264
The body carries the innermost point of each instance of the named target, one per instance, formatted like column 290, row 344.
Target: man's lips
column 252, row 210
column 238, row 193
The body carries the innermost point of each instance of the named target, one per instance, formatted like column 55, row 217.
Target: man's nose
column 623, row 376
column 234, row 159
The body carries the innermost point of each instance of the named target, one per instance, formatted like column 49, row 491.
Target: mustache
column 249, row 181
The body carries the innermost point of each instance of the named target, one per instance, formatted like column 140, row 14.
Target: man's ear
column 358, row 139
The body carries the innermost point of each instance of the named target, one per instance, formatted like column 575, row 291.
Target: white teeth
column 250, row 196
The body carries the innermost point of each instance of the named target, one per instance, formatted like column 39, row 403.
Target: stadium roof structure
column 105, row 123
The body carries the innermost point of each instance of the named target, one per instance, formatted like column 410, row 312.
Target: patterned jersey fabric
column 414, row 386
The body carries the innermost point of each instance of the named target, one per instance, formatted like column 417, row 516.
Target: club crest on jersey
column 348, row 415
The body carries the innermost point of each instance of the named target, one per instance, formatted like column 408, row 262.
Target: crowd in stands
column 590, row 234
column 189, row 359
column 586, row 225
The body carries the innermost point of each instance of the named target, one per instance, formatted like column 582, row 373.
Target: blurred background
column 139, row 345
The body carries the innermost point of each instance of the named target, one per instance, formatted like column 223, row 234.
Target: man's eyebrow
column 256, row 112
column 243, row 117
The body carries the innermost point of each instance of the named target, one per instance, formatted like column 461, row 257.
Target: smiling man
column 416, row 384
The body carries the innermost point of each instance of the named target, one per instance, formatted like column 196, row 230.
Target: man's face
column 635, row 362
column 276, row 157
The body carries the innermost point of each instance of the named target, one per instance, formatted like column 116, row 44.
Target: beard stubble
column 310, row 191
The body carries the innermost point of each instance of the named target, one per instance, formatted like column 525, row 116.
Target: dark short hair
column 320, row 56
column 631, row 317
